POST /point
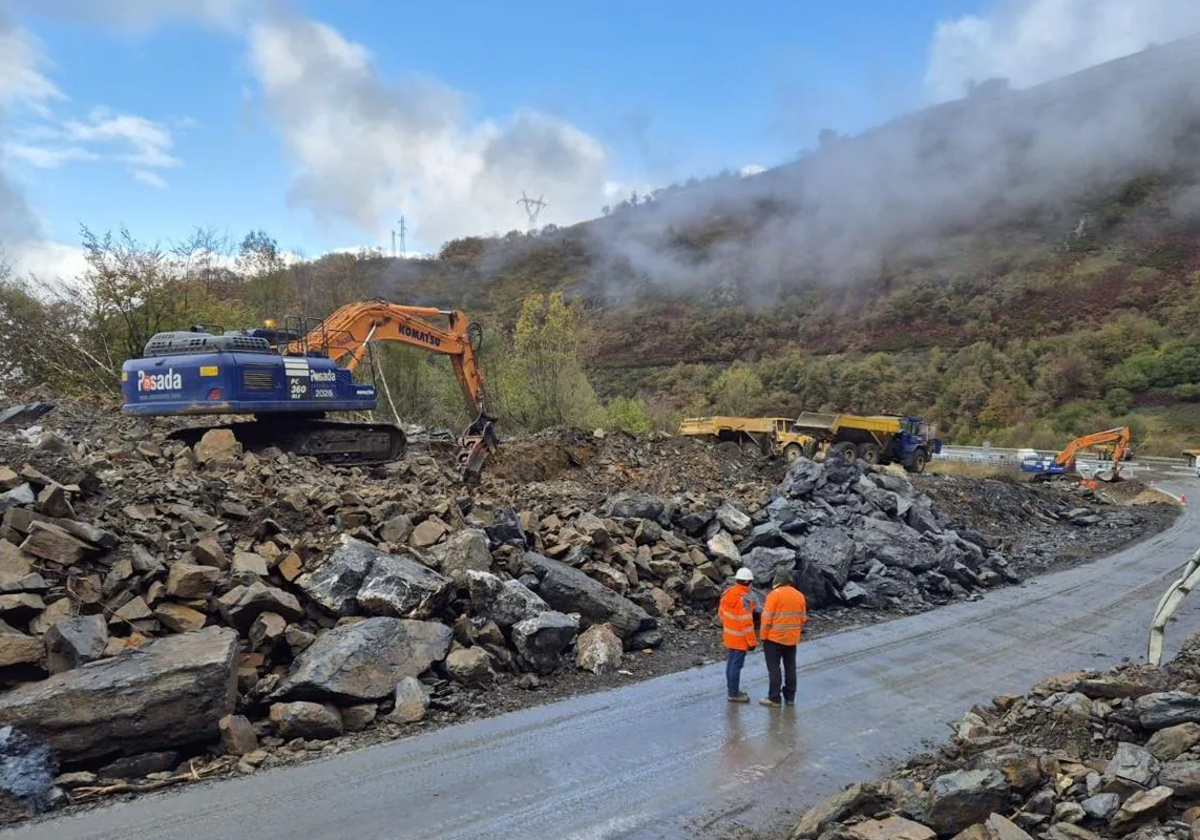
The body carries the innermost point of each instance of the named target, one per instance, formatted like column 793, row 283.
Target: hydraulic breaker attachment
column 475, row 444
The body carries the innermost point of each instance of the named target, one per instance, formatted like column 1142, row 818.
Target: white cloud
column 21, row 78
column 47, row 158
column 366, row 151
column 1032, row 41
column 45, row 260
column 751, row 169
column 149, row 142
column 141, row 144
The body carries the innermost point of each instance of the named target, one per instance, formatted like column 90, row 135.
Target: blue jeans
column 733, row 670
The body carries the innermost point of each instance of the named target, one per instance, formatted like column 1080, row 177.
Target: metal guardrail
column 1003, row 455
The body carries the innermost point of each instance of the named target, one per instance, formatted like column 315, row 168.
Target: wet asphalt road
column 669, row 758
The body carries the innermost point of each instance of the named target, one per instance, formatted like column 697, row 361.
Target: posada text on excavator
column 290, row 378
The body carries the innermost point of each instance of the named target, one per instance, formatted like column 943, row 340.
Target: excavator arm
column 345, row 334
column 1119, row 436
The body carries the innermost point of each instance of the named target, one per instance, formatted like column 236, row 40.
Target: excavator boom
column 345, row 334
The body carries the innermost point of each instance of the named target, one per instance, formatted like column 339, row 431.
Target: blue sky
column 322, row 121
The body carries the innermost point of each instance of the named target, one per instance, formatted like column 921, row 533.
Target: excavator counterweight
column 290, row 379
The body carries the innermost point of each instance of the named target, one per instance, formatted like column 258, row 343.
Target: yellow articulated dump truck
column 877, row 439
column 773, row 435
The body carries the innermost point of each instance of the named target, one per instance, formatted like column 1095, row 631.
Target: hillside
column 1018, row 266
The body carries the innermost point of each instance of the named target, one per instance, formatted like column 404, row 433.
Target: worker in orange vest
column 784, row 615
column 737, row 625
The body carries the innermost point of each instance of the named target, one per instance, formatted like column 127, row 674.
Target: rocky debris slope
column 1083, row 756
column 864, row 537
column 1027, row 520
column 169, row 612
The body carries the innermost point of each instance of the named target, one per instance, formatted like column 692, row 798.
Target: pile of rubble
column 1083, row 756
column 170, row 612
column 864, row 537
column 1040, row 527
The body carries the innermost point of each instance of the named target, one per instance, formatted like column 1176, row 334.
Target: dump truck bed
column 881, row 423
column 716, row 425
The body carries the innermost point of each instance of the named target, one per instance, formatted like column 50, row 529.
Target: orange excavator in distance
column 290, row 378
column 1063, row 464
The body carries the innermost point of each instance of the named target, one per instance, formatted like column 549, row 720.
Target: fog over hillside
column 996, row 156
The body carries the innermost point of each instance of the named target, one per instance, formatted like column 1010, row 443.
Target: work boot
column 740, row 697
column 767, row 701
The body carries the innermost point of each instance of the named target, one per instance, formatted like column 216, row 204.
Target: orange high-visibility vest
column 784, row 615
column 737, row 617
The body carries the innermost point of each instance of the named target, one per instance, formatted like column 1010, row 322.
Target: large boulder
column 635, row 506
column 598, row 649
column 1167, row 708
column 316, row 721
column 541, row 640
column 27, row 771
column 960, row 799
column 1181, row 776
column 359, row 578
column 400, row 587
column 365, row 660
column 569, row 590
column 243, row 604
column 73, row 641
column 1174, row 741
column 463, row 550
column 470, row 666
column 503, row 601
column 893, row 544
column 764, row 562
column 856, row 799
column 334, row 585
column 830, row 551
column 1135, row 764
column 167, row 693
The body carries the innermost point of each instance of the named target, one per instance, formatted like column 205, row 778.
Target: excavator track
column 329, row 441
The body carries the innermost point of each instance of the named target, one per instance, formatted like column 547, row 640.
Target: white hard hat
column 744, row 573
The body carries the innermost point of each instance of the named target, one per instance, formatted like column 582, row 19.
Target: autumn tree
column 544, row 382
column 268, row 286
column 737, row 390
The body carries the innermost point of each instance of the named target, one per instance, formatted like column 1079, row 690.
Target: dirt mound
column 659, row 464
column 1028, row 519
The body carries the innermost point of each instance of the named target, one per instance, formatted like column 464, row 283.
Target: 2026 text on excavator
column 289, row 378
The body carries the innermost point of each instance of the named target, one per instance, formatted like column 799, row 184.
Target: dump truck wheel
column 869, row 452
column 844, row 450
column 792, row 452
column 917, row 461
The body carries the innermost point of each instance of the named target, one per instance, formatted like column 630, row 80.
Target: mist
column 996, row 156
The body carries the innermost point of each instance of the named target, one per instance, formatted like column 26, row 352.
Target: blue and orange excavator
column 289, row 378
